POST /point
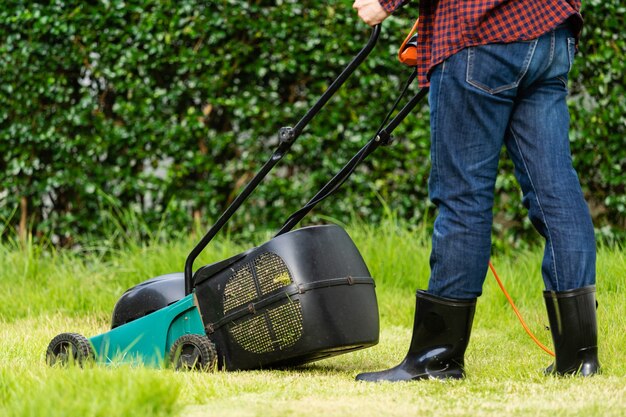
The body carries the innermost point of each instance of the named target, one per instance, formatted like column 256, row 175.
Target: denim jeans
column 513, row 95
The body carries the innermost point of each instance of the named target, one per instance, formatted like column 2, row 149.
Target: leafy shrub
column 166, row 109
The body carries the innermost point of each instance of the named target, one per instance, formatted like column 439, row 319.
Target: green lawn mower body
column 302, row 296
column 148, row 340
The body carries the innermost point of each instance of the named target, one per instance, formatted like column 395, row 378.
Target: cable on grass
column 517, row 313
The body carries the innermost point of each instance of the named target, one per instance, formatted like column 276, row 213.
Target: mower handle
column 287, row 136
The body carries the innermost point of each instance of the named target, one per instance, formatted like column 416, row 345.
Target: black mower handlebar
column 287, row 136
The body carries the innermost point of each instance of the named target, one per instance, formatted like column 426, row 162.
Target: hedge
column 165, row 109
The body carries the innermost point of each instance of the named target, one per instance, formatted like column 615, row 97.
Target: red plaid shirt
column 448, row 26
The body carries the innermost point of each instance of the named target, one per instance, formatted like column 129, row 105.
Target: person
column 497, row 72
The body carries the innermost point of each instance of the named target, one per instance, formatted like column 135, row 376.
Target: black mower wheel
column 193, row 352
column 69, row 348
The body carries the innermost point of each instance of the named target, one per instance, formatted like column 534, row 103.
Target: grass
column 44, row 292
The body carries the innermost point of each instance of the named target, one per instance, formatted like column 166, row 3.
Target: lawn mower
column 304, row 295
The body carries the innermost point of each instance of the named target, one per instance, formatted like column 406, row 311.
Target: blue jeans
column 513, row 95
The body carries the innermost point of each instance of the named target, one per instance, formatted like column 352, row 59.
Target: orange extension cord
column 517, row 313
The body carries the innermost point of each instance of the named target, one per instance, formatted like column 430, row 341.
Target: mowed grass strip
column 46, row 292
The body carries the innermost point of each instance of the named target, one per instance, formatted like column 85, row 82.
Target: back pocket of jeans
column 498, row 67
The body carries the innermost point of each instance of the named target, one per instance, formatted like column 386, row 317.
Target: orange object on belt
column 407, row 54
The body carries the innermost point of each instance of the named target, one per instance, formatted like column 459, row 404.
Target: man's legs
column 516, row 92
column 478, row 98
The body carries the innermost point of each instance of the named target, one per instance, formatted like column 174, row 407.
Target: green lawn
column 43, row 293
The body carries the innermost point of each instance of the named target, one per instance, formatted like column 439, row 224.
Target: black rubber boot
column 572, row 316
column 441, row 332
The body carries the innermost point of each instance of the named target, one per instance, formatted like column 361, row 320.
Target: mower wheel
column 193, row 352
column 68, row 348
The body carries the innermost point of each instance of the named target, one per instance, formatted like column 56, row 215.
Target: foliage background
column 164, row 110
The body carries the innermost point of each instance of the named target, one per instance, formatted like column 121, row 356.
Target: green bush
column 164, row 110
